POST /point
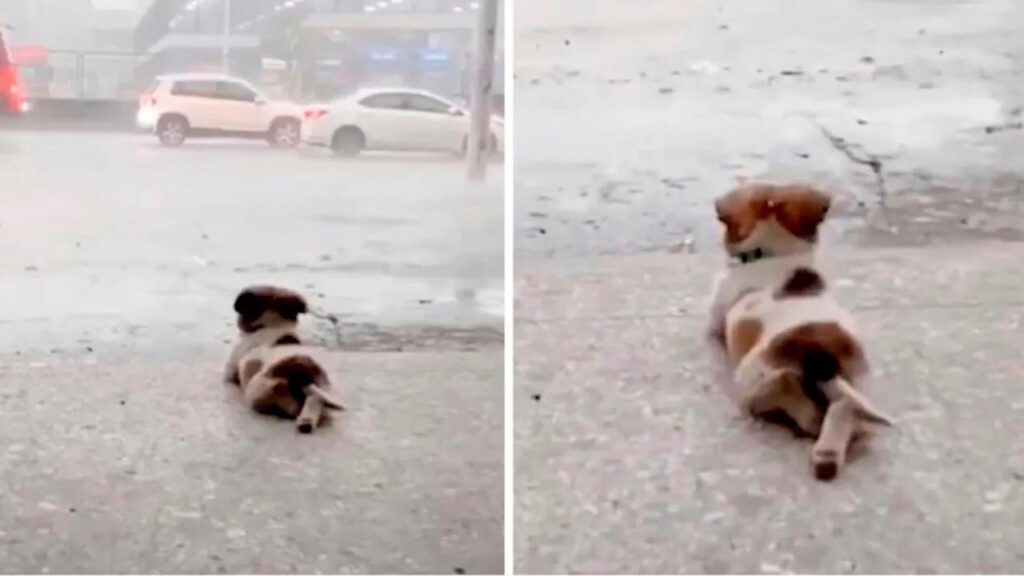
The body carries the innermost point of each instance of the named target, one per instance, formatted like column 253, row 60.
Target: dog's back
column 276, row 372
column 794, row 348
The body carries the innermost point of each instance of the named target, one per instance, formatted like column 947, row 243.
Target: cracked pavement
column 638, row 115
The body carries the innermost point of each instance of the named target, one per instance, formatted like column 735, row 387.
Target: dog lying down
column 277, row 374
column 792, row 348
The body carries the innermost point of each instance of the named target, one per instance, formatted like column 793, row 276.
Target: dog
column 277, row 374
column 792, row 349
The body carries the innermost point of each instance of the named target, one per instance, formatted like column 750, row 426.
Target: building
column 75, row 48
column 316, row 49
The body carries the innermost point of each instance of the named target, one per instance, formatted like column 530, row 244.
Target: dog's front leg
column 718, row 308
column 231, row 372
column 715, row 336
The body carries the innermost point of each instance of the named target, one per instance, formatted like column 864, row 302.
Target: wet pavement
column 109, row 236
column 122, row 449
column 631, row 457
column 637, row 115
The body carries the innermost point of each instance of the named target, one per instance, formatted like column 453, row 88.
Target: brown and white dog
column 277, row 374
column 792, row 348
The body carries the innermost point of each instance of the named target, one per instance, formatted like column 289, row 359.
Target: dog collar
column 751, row 256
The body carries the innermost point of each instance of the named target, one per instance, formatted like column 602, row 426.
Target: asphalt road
column 121, row 449
column 108, row 231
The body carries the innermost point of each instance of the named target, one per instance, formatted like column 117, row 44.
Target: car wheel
column 284, row 133
column 348, row 141
column 172, row 130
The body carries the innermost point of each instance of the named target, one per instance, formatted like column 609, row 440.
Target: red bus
column 35, row 70
column 12, row 100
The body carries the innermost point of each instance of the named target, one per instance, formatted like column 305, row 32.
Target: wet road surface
column 637, row 115
column 107, row 235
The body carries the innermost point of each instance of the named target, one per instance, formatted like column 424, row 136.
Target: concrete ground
column 154, row 466
column 630, row 118
column 630, row 457
column 123, row 452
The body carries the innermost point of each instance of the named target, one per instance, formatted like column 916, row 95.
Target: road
column 637, row 115
column 123, row 452
column 630, row 457
column 156, row 238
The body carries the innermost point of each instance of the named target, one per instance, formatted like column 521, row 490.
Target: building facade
column 316, row 49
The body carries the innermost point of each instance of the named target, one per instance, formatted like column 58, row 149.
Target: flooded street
column 913, row 123
column 128, row 238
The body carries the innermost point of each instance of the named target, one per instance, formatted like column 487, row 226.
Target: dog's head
column 264, row 306
column 780, row 219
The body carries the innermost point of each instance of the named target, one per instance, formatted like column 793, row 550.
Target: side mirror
column 456, row 111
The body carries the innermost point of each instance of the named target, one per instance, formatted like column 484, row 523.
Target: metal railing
column 86, row 75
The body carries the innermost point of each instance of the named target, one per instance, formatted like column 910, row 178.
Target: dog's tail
column 305, row 378
column 823, row 383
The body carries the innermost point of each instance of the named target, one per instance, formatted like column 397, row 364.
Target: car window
column 426, row 104
column 385, row 101
column 195, row 88
column 234, row 91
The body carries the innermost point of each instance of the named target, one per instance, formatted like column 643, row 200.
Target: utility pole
column 478, row 144
column 225, row 55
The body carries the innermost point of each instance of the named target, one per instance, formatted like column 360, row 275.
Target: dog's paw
column 305, row 427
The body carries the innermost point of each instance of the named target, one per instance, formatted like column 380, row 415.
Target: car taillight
column 314, row 113
column 148, row 101
column 8, row 77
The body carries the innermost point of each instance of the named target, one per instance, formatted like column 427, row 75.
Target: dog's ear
column 250, row 303
column 289, row 305
column 800, row 209
column 741, row 210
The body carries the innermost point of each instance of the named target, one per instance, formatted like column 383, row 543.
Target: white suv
column 216, row 105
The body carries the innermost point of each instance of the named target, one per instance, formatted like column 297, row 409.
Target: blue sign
column 434, row 58
column 385, row 55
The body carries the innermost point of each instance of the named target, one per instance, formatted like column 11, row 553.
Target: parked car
column 393, row 119
column 216, row 105
column 12, row 100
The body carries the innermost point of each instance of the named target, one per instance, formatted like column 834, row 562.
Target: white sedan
column 393, row 119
